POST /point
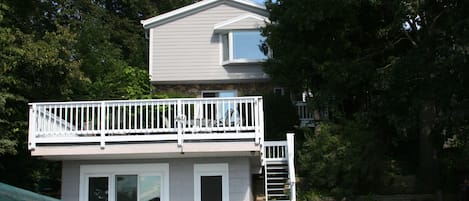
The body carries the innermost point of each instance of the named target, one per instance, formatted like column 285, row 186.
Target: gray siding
column 181, row 176
column 70, row 181
column 188, row 49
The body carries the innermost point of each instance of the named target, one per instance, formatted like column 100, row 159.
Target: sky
column 259, row 1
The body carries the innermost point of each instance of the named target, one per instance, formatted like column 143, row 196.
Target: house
column 209, row 147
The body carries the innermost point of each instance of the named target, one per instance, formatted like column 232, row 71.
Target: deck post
column 291, row 165
column 32, row 127
column 179, row 121
column 261, row 121
column 103, row 125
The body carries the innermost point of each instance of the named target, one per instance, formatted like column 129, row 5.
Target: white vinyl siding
column 181, row 176
column 188, row 50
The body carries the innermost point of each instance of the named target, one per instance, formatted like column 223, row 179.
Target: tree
column 396, row 67
column 59, row 50
column 34, row 67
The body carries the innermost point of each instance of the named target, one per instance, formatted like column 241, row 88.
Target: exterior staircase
column 278, row 187
column 279, row 170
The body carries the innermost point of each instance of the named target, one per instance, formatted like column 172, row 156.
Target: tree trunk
column 427, row 174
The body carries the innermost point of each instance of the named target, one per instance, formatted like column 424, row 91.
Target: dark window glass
column 211, row 188
column 226, row 47
column 126, row 187
column 98, row 189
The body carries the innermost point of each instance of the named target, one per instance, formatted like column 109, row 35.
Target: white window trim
column 158, row 169
column 220, row 26
column 230, row 49
column 213, row 169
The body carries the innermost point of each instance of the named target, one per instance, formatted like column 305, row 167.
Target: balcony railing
column 146, row 120
column 304, row 114
column 276, row 150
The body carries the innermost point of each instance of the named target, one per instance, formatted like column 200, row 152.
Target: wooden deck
column 153, row 120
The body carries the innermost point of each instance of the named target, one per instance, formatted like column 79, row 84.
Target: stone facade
column 194, row 90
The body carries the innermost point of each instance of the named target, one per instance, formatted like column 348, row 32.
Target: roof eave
column 151, row 22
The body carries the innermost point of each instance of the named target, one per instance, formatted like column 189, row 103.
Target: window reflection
column 150, row 187
column 246, row 45
column 126, row 187
column 98, row 189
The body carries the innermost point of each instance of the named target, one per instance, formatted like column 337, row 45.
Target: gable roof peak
column 200, row 5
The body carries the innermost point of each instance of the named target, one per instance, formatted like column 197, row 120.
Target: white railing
column 283, row 151
column 146, row 120
column 275, row 150
column 303, row 111
column 304, row 114
column 291, row 165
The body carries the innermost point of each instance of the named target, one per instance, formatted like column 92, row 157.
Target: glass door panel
column 126, row 187
column 98, row 188
column 211, row 188
column 149, row 188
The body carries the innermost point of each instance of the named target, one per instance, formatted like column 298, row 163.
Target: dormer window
column 243, row 46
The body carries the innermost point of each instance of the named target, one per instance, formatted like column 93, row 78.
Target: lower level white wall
column 181, row 176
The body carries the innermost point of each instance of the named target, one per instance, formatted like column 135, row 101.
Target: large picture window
column 243, row 46
column 139, row 182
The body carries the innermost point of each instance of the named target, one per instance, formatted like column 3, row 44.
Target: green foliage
column 125, row 83
column 400, row 66
column 66, row 50
column 280, row 116
column 341, row 160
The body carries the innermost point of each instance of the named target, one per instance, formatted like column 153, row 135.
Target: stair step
column 276, row 172
column 276, row 184
column 283, row 187
column 277, row 167
column 276, row 178
column 276, row 189
column 278, row 195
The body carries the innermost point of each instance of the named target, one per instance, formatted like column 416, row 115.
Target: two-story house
column 207, row 148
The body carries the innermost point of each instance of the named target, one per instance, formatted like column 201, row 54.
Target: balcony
column 304, row 114
column 105, row 123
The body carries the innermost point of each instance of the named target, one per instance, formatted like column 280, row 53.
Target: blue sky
column 259, row 1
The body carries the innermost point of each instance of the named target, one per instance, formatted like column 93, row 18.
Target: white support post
column 261, row 122
column 103, row 125
column 179, row 122
column 291, row 165
column 266, row 192
column 32, row 127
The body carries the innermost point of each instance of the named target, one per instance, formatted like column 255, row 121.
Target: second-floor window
column 243, row 46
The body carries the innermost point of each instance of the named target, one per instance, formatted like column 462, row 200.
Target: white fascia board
column 219, row 26
column 199, row 5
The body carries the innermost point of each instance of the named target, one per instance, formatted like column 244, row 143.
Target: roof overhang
column 248, row 21
column 201, row 5
column 148, row 150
